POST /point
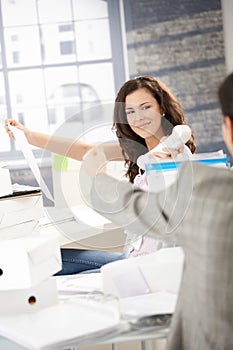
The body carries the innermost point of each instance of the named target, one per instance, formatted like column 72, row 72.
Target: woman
column 145, row 112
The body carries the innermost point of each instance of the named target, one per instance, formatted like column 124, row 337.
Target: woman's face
column 144, row 114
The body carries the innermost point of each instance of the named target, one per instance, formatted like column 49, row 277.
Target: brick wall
column 181, row 42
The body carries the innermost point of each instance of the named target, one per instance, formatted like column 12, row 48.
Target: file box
column 26, row 262
column 31, row 299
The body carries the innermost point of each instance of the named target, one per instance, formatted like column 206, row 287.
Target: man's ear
column 229, row 125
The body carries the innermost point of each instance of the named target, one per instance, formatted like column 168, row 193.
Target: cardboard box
column 28, row 228
column 29, row 299
column 25, row 262
column 18, row 209
column 5, row 182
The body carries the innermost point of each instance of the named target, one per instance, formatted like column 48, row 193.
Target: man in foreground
column 198, row 211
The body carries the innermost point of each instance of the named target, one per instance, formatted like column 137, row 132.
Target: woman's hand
column 17, row 125
column 167, row 152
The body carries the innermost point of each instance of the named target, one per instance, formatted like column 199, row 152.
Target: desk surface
column 74, row 321
column 126, row 335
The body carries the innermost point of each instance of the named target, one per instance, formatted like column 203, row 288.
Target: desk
column 73, row 327
column 144, row 335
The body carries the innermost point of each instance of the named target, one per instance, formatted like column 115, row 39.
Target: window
column 56, row 62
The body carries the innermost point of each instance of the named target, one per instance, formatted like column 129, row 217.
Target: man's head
column 225, row 94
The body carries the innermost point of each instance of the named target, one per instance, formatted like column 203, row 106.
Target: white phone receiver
column 179, row 136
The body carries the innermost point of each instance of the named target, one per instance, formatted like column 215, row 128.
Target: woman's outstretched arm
column 75, row 149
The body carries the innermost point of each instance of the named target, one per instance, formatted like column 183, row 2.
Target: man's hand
column 94, row 161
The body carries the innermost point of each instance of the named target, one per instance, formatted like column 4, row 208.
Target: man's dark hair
column 225, row 95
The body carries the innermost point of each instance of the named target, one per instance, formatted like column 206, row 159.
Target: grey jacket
column 198, row 210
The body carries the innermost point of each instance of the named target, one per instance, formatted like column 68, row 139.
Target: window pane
column 61, row 92
column 56, row 41
column 54, row 11
column 5, row 141
column 67, row 96
column 2, row 93
column 33, row 117
column 26, row 89
column 19, row 12
column 90, row 9
column 0, row 56
column 66, row 47
column 22, row 46
column 100, row 77
column 93, row 40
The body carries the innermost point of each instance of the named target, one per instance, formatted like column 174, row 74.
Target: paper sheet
column 159, row 303
column 80, row 284
column 27, row 152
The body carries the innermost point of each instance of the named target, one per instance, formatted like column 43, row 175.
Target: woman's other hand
column 16, row 124
column 166, row 152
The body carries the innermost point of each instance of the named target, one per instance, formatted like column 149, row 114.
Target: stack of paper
column 27, row 261
column 20, row 212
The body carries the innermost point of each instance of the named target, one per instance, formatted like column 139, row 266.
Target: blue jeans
column 81, row 260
